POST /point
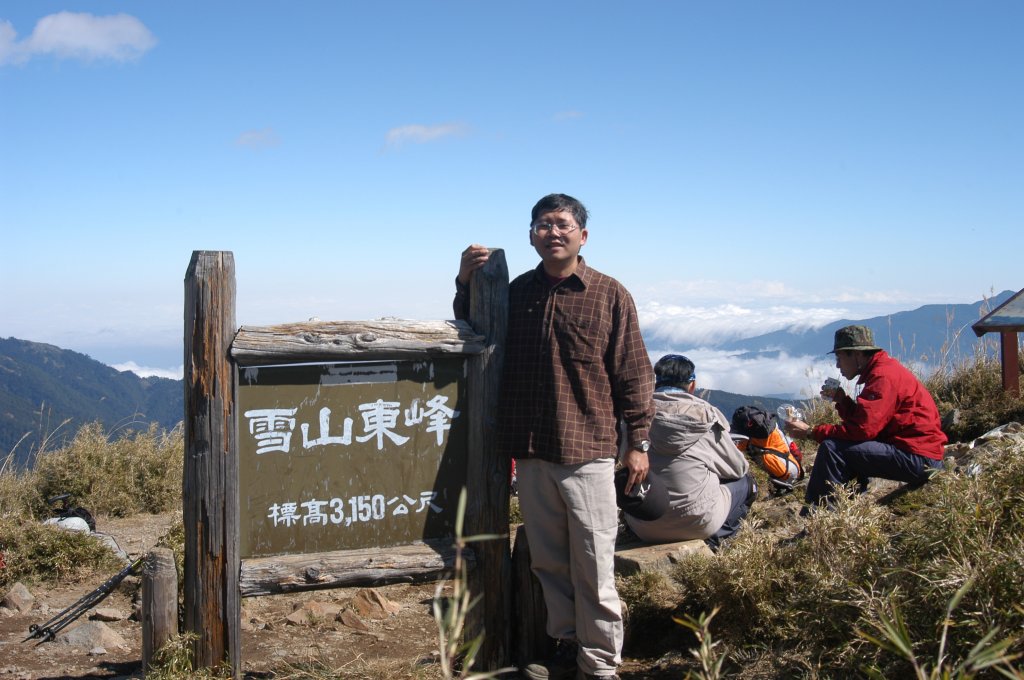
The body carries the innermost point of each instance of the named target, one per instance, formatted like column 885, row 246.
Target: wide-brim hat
column 648, row 500
column 854, row 338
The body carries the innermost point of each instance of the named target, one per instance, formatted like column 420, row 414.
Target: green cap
column 854, row 338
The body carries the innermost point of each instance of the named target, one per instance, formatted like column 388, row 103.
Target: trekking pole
column 91, row 599
column 48, row 630
column 70, row 614
column 35, row 628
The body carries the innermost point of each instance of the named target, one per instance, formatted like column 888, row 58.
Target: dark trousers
column 742, row 491
column 840, row 461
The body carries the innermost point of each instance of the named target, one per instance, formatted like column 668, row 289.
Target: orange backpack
column 769, row 447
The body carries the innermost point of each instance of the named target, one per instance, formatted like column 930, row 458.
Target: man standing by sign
column 575, row 363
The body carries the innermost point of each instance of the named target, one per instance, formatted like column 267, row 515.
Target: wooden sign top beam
column 326, row 341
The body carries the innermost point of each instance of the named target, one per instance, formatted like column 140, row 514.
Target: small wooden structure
column 217, row 574
column 159, row 610
column 1008, row 320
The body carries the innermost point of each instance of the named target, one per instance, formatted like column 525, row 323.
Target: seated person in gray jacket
column 708, row 479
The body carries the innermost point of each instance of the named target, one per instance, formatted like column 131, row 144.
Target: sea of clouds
column 696, row 331
column 714, row 313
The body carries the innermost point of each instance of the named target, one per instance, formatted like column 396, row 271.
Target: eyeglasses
column 540, row 228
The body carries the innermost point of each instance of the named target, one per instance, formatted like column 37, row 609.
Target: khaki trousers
column 571, row 523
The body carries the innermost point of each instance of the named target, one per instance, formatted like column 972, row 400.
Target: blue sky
column 747, row 165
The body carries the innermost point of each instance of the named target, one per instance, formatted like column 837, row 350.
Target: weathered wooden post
column 487, row 473
column 530, row 614
column 159, row 602
column 1008, row 354
column 1008, row 320
column 210, row 488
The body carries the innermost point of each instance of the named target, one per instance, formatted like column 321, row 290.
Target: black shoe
column 561, row 665
column 752, row 496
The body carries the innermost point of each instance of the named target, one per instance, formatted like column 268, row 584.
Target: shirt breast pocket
column 582, row 340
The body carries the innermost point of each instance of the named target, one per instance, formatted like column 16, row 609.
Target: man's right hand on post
column 472, row 259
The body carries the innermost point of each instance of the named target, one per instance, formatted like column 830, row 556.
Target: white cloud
column 712, row 315
column 798, row 377
column 144, row 372
column 8, row 43
column 701, row 325
column 258, row 139
column 845, row 301
column 71, row 35
column 421, row 134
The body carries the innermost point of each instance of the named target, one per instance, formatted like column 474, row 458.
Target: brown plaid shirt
column 574, row 364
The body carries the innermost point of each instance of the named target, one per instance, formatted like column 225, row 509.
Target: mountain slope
column 930, row 334
column 41, row 386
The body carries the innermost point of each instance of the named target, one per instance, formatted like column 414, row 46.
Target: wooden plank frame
column 215, row 578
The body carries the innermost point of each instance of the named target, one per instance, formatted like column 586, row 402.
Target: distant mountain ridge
column 930, row 336
column 41, row 386
column 927, row 334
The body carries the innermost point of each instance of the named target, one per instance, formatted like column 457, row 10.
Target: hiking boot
column 561, row 665
column 752, row 496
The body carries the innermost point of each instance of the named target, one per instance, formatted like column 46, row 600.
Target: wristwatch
column 643, row 445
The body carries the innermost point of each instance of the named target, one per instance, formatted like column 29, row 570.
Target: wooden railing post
column 210, row 488
column 487, row 476
column 159, row 603
column 1010, row 362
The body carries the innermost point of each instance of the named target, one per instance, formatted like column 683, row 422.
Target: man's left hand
column 637, row 463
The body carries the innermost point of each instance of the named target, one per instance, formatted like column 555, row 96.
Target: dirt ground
column 388, row 647
column 402, row 644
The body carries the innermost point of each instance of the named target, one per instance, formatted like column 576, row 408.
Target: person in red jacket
column 892, row 430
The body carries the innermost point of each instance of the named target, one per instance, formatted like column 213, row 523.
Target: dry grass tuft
column 33, row 551
column 973, row 390
column 133, row 474
column 320, row 668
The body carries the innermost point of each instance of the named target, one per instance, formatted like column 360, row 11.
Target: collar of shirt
column 582, row 273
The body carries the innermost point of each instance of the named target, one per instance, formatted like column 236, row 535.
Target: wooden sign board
column 347, row 456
